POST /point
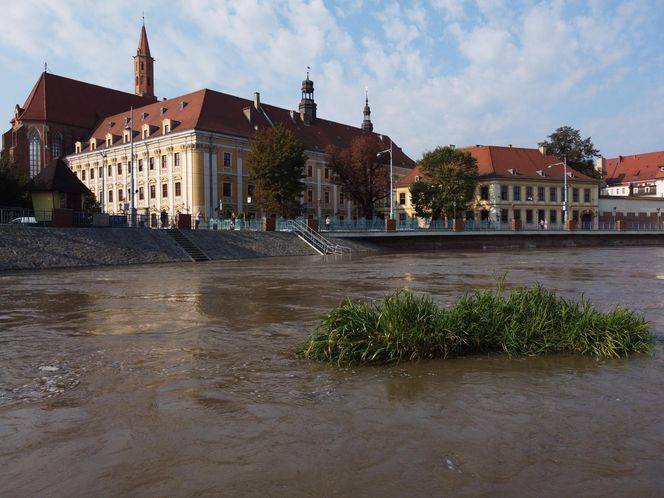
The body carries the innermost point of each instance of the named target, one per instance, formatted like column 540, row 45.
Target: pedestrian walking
column 199, row 218
column 164, row 218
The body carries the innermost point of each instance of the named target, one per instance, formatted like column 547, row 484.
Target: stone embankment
column 25, row 248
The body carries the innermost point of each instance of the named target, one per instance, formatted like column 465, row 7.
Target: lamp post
column 391, row 179
column 102, row 153
column 564, row 163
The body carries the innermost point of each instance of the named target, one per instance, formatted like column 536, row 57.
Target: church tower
column 367, row 125
column 143, row 67
column 307, row 105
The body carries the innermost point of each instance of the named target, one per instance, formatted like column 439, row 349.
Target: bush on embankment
column 529, row 321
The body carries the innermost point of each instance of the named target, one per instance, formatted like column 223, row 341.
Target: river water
column 183, row 380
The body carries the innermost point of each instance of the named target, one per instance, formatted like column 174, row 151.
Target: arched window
column 34, row 143
column 56, row 145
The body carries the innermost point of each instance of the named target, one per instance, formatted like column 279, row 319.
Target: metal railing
column 319, row 243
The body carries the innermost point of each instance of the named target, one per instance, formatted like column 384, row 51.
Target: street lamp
column 102, row 153
column 391, row 179
column 564, row 163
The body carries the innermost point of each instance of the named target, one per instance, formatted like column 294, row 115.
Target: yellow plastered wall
column 43, row 204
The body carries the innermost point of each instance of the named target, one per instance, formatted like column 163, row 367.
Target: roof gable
column 57, row 178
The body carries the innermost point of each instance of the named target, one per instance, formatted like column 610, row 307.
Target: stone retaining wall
column 23, row 248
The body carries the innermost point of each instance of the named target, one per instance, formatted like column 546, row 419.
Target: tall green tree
column 580, row 152
column 276, row 164
column 451, row 180
column 362, row 172
column 12, row 186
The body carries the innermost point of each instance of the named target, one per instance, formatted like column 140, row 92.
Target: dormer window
column 166, row 126
column 540, row 172
column 511, row 171
column 109, row 140
column 126, row 136
column 144, row 115
column 93, row 144
column 145, row 131
column 417, row 178
column 78, row 147
column 183, row 104
column 162, row 111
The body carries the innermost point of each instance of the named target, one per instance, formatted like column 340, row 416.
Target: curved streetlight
column 391, row 179
column 564, row 163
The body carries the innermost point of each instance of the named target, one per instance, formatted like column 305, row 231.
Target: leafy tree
column 276, row 163
column 580, row 152
column 12, row 186
column 361, row 171
column 450, row 185
column 90, row 203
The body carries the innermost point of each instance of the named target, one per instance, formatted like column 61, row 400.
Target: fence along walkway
column 319, row 243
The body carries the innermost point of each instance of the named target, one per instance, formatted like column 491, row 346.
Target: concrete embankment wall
column 23, row 248
column 423, row 241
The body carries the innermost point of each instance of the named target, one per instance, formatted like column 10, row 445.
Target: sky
column 437, row 72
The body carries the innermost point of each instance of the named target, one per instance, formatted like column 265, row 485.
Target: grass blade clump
column 529, row 321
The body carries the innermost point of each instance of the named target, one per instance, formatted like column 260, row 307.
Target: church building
column 189, row 152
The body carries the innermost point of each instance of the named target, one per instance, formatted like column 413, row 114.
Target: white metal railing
column 319, row 243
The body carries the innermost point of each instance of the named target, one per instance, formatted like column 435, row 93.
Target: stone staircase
column 194, row 252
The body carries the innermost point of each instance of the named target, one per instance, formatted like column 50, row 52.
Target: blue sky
column 491, row 72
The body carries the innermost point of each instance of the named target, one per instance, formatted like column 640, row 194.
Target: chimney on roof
column 509, row 145
column 451, row 146
column 542, row 149
column 600, row 166
column 257, row 101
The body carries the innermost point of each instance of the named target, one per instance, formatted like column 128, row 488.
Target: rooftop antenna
column 45, row 67
column 308, row 68
column 143, row 17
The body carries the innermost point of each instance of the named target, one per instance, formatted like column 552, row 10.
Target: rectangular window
column 119, row 169
column 227, row 159
column 529, row 193
column 101, row 171
column 310, row 171
column 178, row 189
column 540, row 194
column 176, row 159
column 504, row 215
column 504, row 195
column 110, row 170
column 110, row 196
column 141, row 193
column 120, row 195
column 145, row 134
column 484, row 192
column 83, row 174
column 516, row 192
column 586, row 195
column 163, row 161
column 575, row 195
column 226, row 189
column 92, row 173
column 553, row 216
column 575, row 215
column 326, row 198
column 153, row 192
column 517, row 214
column 310, row 196
column 342, row 197
column 529, row 216
column 402, row 198
column 152, row 163
column 140, row 165
column 164, row 189
column 553, row 197
column 327, row 173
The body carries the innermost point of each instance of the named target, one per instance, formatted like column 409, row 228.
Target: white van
column 24, row 220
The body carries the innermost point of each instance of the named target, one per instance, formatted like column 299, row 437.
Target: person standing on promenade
column 199, row 217
column 164, row 218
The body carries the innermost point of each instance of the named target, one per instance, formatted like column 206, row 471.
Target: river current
column 183, row 380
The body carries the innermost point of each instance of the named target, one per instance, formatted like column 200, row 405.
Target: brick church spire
column 143, row 67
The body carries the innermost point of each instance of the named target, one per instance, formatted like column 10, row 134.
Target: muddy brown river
column 183, row 380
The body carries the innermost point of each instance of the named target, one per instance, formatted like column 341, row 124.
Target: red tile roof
column 70, row 102
column 511, row 162
column 636, row 168
column 208, row 110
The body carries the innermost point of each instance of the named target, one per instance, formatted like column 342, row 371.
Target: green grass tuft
column 529, row 321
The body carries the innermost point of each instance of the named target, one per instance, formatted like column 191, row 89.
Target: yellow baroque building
column 518, row 184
